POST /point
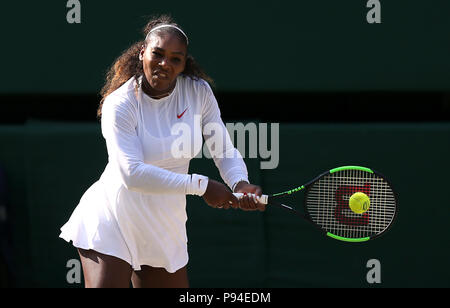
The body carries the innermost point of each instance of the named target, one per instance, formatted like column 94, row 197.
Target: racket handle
column 263, row 199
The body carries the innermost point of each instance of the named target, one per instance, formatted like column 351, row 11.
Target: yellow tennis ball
column 359, row 202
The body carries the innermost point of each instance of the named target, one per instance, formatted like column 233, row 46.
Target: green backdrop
column 49, row 165
column 244, row 45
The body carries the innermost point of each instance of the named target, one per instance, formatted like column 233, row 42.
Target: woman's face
column 163, row 59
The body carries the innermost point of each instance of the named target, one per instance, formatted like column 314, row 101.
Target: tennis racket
column 327, row 203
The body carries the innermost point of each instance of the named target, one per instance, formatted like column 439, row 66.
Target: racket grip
column 263, row 199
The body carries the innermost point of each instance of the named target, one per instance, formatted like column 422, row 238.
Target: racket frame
column 272, row 199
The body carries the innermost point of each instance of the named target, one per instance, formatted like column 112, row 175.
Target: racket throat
column 290, row 191
column 285, row 206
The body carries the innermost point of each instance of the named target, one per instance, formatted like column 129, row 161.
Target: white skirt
column 137, row 228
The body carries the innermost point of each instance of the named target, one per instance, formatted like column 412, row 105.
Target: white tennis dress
column 136, row 211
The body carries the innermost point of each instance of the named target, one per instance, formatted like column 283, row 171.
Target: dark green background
column 245, row 45
column 50, row 165
column 274, row 60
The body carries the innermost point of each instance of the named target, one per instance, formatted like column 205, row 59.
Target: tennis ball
column 359, row 202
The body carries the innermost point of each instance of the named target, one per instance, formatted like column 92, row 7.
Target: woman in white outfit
column 156, row 107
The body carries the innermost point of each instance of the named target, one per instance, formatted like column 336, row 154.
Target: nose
column 163, row 63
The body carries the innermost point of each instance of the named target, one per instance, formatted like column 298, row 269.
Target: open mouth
column 161, row 75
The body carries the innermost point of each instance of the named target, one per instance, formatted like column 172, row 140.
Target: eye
column 176, row 60
column 157, row 54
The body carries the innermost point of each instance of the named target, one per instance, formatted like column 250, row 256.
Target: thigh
column 103, row 271
column 156, row 277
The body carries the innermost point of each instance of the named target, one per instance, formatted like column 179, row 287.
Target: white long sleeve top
column 136, row 211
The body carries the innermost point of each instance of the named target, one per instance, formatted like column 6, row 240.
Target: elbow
column 130, row 185
column 130, row 178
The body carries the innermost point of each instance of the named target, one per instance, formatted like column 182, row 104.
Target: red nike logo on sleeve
column 180, row 115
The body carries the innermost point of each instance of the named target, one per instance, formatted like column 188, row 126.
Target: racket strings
column 327, row 203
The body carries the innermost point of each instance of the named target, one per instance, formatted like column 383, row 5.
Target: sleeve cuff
column 197, row 185
column 236, row 182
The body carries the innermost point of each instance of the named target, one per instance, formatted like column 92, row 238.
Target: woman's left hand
column 247, row 202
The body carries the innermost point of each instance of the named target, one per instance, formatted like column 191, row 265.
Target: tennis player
column 130, row 224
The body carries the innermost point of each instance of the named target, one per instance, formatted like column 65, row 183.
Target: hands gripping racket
column 351, row 203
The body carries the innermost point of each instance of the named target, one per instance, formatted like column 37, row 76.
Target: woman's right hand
column 217, row 195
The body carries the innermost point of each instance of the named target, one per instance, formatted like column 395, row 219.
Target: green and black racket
column 350, row 203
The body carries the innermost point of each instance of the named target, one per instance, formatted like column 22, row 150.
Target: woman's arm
column 119, row 119
column 226, row 157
